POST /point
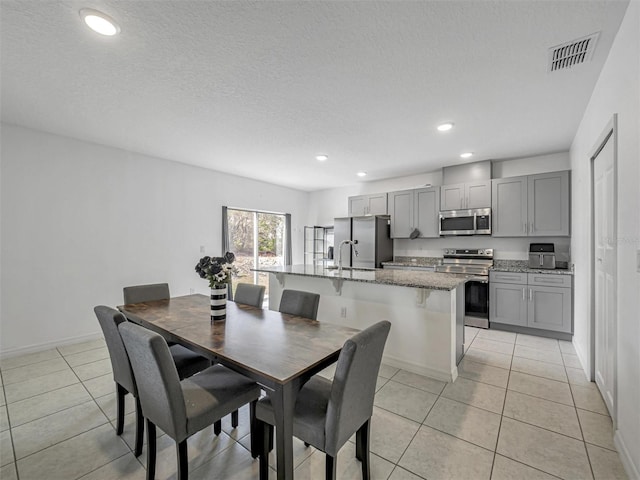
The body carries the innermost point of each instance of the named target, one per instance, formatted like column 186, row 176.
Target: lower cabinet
column 541, row 301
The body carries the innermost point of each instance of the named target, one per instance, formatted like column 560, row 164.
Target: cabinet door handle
column 461, row 202
column 523, row 289
column 524, row 227
column 530, row 295
column 531, row 229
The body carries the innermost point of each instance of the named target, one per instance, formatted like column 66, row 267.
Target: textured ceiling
column 259, row 88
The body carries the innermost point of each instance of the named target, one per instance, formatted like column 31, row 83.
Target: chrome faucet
column 353, row 244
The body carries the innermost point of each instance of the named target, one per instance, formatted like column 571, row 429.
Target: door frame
column 610, row 132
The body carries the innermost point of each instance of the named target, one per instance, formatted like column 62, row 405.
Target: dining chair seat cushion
column 187, row 362
column 310, row 412
column 213, row 394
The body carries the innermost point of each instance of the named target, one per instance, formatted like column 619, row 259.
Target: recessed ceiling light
column 322, row 158
column 362, row 174
column 99, row 22
column 466, row 155
column 445, row 126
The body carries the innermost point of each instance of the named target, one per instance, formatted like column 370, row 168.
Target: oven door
column 476, row 302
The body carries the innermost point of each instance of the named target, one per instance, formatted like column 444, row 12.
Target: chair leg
column 362, row 448
column 183, row 462
column 256, row 433
column 234, row 419
column 151, row 450
column 330, row 473
column 120, row 393
column 263, row 430
column 139, row 429
column 217, row 427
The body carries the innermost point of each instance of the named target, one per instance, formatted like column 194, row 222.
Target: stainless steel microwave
column 476, row 221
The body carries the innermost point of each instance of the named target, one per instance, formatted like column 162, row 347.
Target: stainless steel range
column 474, row 263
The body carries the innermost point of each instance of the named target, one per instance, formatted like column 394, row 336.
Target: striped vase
column 219, row 303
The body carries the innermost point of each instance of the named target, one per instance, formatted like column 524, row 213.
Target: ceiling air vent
column 572, row 53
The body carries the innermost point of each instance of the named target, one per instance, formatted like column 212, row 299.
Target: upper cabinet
column 414, row 209
column 374, row 204
column 531, row 206
column 466, row 195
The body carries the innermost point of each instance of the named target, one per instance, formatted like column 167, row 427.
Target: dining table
column 278, row 351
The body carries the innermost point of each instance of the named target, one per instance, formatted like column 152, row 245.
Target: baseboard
column 12, row 352
column 441, row 375
column 633, row 471
column 582, row 358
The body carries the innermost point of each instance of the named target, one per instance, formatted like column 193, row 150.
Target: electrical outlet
column 192, row 291
column 343, row 312
column 201, row 248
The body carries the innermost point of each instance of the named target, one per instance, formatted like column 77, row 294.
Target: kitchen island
column 426, row 310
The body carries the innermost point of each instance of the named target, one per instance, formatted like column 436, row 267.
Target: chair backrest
column 354, row 385
column 297, row 302
column 249, row 294
column 157, row 379
column 145, row 293
column 109, row 320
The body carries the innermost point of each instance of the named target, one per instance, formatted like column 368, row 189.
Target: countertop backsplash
column 425, row 250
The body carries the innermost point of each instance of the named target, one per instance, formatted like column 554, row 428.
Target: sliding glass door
column 257, row 239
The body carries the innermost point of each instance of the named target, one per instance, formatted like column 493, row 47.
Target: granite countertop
column 522, row 266
column 414, row 262
column 402, row 278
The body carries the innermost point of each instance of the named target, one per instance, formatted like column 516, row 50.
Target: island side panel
column 423, row 332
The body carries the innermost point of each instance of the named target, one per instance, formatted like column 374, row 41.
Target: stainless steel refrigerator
column 374, row 241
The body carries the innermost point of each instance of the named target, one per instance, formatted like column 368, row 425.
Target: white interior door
column 604, row 268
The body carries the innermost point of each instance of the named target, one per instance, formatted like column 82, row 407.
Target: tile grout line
column 584, row 443
column 495, row 450
column 13, row 444
column 397, row 463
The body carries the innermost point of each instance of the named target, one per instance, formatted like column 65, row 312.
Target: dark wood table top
column 275, row 346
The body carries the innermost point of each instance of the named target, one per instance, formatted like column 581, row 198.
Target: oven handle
column 478, row 279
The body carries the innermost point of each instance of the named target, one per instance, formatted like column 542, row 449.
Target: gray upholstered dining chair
column 298, row 302
column 249, row 294
column 187, row 363
column 327, row 412
column 160, row 291
column 180, row 408
column 145, row 293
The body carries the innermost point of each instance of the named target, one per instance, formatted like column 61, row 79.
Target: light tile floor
column 521, row 409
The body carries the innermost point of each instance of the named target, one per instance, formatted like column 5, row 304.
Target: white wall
column 617, row 91
column 325, row 205
column 553, row 162
column 80, row 221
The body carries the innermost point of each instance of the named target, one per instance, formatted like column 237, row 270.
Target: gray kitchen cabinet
column 373, row 204
column 466, row 195
column 509, row 207
column 531, row 206
column 549, row 308
column 411, row 209
column 506, row 304
column 452, row 197
column 548, row 201
column 426, row 211
column 401, row 210
column 541, row 301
